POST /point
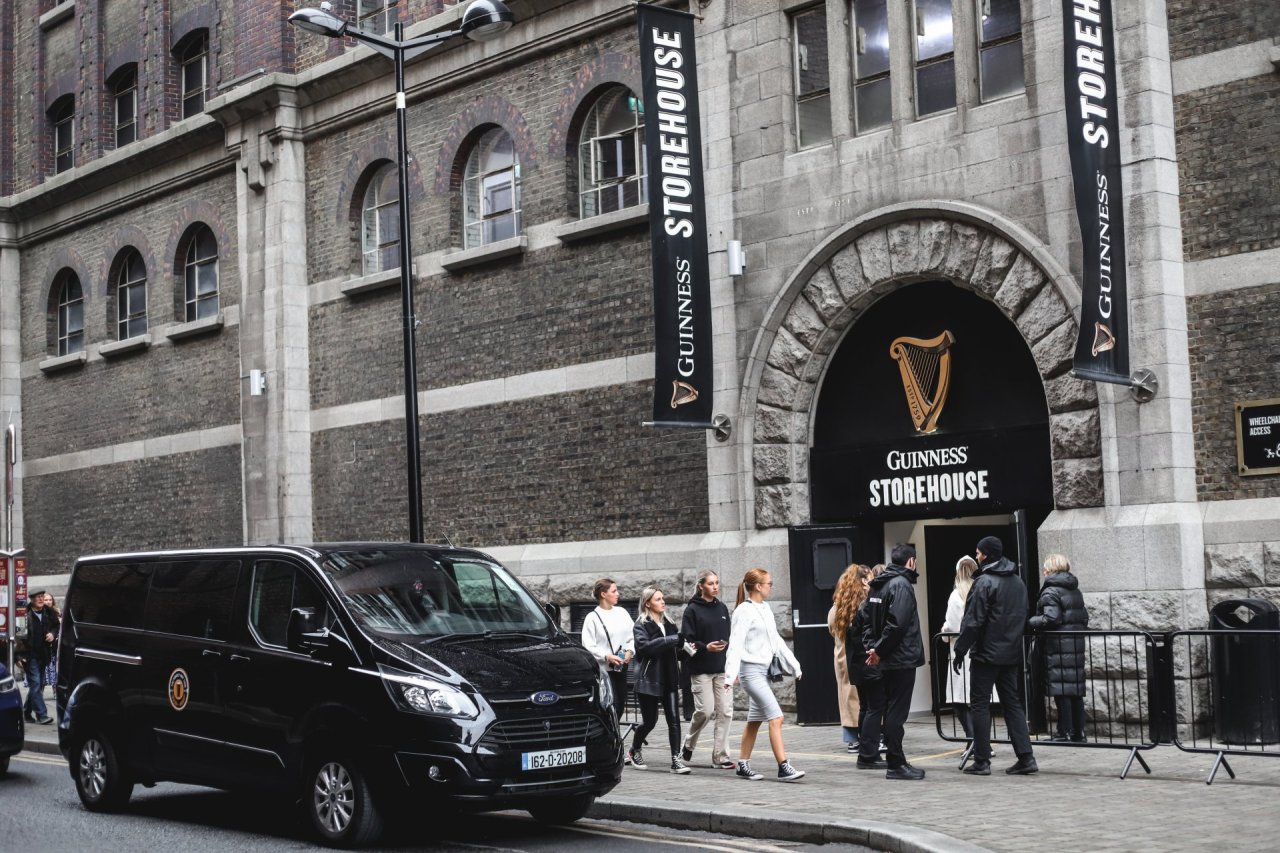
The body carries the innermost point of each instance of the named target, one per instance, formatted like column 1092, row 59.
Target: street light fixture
column 482, row 20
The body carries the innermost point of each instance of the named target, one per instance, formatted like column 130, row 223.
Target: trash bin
column 1246, row 671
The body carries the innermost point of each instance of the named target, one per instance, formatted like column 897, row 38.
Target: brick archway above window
column 125, row 237
column 359, row 169
column 67, row 258
column 486, row 112
column 604, row 70
column 190, row 214
column 963, row 244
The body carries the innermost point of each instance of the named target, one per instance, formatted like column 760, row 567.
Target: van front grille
column 546, row 733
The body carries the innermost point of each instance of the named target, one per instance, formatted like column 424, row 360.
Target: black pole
column 413, row 460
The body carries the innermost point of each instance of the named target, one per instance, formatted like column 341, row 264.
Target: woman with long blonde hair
column 753, row 641
column 850, row 592
column 958, row 683
column 658, row 646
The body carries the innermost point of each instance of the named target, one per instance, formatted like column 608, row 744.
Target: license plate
column 549, row 759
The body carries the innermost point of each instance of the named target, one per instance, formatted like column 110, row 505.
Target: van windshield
column 399, row 594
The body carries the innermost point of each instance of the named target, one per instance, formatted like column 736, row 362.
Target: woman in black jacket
column 1061, row 608
column 658, row 647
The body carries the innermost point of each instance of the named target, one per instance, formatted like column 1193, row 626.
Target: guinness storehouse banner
column 1093, row 140
column 677, row 220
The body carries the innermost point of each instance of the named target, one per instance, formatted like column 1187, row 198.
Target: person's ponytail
column 742, row 592
column 753, row 578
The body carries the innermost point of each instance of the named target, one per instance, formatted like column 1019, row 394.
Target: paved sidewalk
column 1076, row 803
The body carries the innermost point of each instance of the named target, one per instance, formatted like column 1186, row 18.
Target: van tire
column 98, row 770
column 4, row 765
column 563, row 809
column 339, row 802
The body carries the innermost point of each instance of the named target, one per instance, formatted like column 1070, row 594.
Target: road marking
column 726, row 845
column 41, row 759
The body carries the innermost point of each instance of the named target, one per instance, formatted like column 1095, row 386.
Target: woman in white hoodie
column 753, row 641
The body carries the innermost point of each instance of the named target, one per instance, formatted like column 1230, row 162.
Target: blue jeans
column 35, row 690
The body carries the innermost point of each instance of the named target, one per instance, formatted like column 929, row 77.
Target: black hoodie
column 893, row 621
column 995, row 615
column 704, row 622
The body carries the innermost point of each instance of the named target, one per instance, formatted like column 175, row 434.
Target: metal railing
column 1225, row 693
column 1116, row 689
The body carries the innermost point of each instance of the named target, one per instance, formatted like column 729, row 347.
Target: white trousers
column 711, row 700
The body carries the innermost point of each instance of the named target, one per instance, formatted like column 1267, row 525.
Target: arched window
column 491, row 191
column 193, row 59
column 376, row 16
column 202, row 275
column 70, row 315
column 611, row 154
column 124, row 95
column 62, row 117
column 380, row 221
column 131, row 296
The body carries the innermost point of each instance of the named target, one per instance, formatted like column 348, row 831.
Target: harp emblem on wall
column 925, row 365
column 682, row 393
column 1103, row 339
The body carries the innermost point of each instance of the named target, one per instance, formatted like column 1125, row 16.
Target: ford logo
column 545, row 697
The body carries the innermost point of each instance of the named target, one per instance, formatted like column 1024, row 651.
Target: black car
column 361, row 678
column 11, row 724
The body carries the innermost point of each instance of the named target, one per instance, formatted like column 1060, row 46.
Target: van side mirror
column 553, row 613
column 300, row 635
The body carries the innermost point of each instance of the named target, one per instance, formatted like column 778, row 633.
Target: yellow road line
column 724, row 845
column 37, row 758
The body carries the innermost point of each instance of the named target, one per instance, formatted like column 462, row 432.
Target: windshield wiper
column 483, row 635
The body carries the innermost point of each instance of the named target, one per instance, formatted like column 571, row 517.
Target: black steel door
column 819, row 555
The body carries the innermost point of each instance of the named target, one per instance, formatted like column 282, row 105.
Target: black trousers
column 1070, row 715
column 899, row 684
column 618, row 678
column 871, row 703
column 670, row 702
column 1008, row 678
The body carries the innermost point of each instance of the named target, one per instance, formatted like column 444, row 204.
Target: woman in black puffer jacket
column 1061, row 608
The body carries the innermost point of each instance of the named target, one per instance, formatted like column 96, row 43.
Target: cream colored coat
column 849, row 707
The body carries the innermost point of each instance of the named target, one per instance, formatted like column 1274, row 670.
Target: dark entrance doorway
column 819, row 555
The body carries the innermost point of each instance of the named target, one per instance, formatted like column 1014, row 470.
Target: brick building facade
column 851, row 154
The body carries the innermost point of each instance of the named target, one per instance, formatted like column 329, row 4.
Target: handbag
column 613, row 667
column 776, row 670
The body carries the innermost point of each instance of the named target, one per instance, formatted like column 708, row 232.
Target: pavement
column 1077, row 802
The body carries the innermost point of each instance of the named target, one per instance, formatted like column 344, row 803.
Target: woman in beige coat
column 849, row 593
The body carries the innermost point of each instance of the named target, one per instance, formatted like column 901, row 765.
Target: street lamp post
column 483, row 20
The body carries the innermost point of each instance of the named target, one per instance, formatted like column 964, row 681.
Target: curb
column 44, row 747
column 789, row 826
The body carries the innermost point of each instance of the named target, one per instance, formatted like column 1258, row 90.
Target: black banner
column 682, row 380
column 1093, row 139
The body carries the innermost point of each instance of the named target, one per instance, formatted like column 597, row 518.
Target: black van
column 361, row 678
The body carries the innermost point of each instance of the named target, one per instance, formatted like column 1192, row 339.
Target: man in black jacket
column 995, row 615
column 706, row 625
column 42, row 632
column 894, row 643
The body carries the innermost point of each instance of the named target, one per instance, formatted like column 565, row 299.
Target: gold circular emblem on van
column 179, row 689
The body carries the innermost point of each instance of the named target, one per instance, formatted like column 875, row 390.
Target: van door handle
column 210, row 653
column 239, row 658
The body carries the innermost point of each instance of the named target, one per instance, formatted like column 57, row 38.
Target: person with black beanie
column 995, row 617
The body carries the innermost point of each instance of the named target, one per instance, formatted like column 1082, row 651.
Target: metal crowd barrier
column 1122, row 679
column 1225, row 693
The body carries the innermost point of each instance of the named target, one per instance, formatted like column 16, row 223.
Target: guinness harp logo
column 1103, row 339
column 681, row 393
column 925, row 366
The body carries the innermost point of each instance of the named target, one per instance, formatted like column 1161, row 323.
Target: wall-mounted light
column 737, row 257
column 257, row 383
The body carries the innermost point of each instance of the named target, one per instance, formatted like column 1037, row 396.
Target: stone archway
column 967, row 246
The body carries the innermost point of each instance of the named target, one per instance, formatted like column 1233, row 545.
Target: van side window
column 110, row 594
column 193, row 598
column 277, row 589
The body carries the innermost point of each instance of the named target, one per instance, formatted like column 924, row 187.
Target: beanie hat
column 991, row 547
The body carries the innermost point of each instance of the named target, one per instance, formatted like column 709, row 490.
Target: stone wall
column 177, row 501
column 1197, row 28
column 1235, row 356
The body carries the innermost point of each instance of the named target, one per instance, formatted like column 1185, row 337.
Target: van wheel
column 563, row 810
column 99, row 774
column 4, row 765
column 340, row 804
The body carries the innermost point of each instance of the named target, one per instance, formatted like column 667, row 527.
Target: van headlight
column 605, row 685
column 7, row 684
column 423, row 695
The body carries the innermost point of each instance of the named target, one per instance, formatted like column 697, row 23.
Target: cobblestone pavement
column 1076, row 802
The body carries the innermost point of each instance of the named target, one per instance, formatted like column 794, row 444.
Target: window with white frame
column 194, row 60
column 376, row 16
column 872, row 100
column 131, row 296
column 63, row 118
column 611, row 154
column 70, row 315
column 935, row 59
column 1000, row 48
column 812, row 76
column 491, row 191
column 380, row 222
column 124, row 95
column 201, row 273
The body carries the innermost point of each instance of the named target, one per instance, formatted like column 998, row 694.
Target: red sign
column 20, row 587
